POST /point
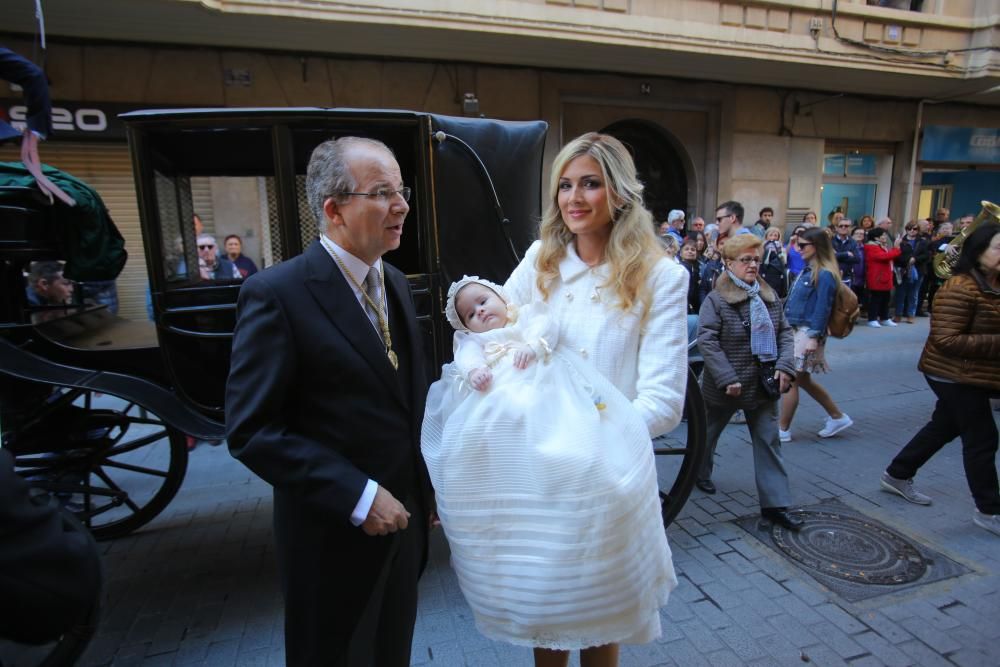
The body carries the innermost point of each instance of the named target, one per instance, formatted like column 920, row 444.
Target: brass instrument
column 945, row 262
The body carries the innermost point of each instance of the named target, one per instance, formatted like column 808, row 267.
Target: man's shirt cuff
column 364, row 505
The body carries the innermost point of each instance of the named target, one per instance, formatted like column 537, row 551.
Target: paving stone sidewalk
column 197, row 586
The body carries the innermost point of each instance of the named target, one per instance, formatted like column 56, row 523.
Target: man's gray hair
column 329, row 172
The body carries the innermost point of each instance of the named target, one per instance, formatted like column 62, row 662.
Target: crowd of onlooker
column 890, row 271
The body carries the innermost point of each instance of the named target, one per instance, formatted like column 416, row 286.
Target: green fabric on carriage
column 93, row 247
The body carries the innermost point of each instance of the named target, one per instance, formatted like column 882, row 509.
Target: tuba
column 945, row 261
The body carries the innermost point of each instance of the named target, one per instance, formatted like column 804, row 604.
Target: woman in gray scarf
column 747, row 344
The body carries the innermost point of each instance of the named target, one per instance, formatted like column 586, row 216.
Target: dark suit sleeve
column 24, row 73
column 259, row 395
column 50, row 570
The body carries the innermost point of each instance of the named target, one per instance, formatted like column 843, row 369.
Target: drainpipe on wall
column 908, row 208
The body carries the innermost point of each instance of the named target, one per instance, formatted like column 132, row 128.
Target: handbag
column 769, row 385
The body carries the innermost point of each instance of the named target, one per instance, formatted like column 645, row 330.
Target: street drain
column 852, row 554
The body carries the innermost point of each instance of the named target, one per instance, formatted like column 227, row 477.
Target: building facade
column 797, row 105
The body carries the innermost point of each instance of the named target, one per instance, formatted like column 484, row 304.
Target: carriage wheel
column 119, row 478
column 681, row 453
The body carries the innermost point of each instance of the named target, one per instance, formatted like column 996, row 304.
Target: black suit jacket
column 315, row 409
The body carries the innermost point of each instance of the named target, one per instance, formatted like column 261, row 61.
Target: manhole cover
column 850, row 548
column 852, row 554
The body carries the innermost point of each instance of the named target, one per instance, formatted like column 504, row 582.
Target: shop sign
column 970, row 145
column 76, row 120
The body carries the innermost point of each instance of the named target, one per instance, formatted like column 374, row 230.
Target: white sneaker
column 835, row 426
column 785, row 436
column 874, row 324
column 990, row 522
column 888, row 323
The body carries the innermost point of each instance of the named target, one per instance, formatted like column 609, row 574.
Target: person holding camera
column 747, row 346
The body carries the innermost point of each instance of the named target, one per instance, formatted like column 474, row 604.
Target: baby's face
column 480, row 308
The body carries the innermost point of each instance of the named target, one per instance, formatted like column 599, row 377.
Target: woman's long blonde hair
column 824, row 258
column 632, row 249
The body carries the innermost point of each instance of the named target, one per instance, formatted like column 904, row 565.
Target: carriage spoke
column 114, row 487
column 134, row 468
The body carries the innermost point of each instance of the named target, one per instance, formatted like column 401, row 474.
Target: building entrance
column 658, row 163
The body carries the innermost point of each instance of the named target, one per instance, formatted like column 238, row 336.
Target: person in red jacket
column 878, row 275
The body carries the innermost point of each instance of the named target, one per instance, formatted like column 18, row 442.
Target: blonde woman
column 620, row 304
column 808, row 310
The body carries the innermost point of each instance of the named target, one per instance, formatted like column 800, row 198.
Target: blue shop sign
column 944, row 143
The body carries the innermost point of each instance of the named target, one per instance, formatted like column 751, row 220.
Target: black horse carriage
column 116, row 464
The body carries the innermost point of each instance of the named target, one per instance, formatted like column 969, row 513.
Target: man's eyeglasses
column 720, row 218
column 383, row 194
column 844, row 225
column 747, row 260
column 206, row 247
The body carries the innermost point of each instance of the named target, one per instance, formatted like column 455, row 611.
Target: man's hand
column 480, row 378
column 387, row 515
column 812, row 344
column 734, row 389
column 523, row 357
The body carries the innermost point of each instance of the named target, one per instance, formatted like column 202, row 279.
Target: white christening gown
column 546, row 488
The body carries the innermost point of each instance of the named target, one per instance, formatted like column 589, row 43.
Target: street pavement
column 197, row 585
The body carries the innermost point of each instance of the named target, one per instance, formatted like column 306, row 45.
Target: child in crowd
column 543, row 473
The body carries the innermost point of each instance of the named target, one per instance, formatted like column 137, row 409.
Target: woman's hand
column 734, row 389
column 812, row 344
column 523, row 357
column 784, row 381
column 480, row 378
column 898, row 241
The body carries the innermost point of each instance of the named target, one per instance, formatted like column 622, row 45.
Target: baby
column 525, row 438
column 475, row 304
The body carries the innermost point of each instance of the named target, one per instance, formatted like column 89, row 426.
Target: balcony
column 946, row 50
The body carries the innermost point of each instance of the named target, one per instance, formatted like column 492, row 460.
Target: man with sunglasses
column 210, row 265
column 729, row 217
column 846, row 248
column 324, row 402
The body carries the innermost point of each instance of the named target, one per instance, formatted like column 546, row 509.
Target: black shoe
column 921, row 314
column 780, row 516
column 706, row 485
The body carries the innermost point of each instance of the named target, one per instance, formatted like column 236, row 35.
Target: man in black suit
column 324, row 401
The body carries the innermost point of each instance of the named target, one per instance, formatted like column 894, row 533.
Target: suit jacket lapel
column 398, row 291
column 336, row 299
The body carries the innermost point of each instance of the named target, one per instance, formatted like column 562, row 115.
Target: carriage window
column 217, row 214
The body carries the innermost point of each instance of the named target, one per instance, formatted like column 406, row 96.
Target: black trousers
column 961, row 411
column 878, row 305
column 358, row 616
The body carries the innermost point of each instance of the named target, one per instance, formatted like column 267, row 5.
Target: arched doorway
column 659, row 163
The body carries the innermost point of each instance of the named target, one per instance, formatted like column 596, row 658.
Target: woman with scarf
column 747, row 346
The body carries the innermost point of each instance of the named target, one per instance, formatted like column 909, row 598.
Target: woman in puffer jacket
column 961, row 362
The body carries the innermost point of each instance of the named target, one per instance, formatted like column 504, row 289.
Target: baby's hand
column 523, row 357
column 480, row 378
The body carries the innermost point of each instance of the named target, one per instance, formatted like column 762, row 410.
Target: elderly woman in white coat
column 620, row 304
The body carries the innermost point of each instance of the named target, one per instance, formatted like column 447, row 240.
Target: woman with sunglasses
column 808, row 311
column 747, row 346
column 794, row 259
column 914, row 255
